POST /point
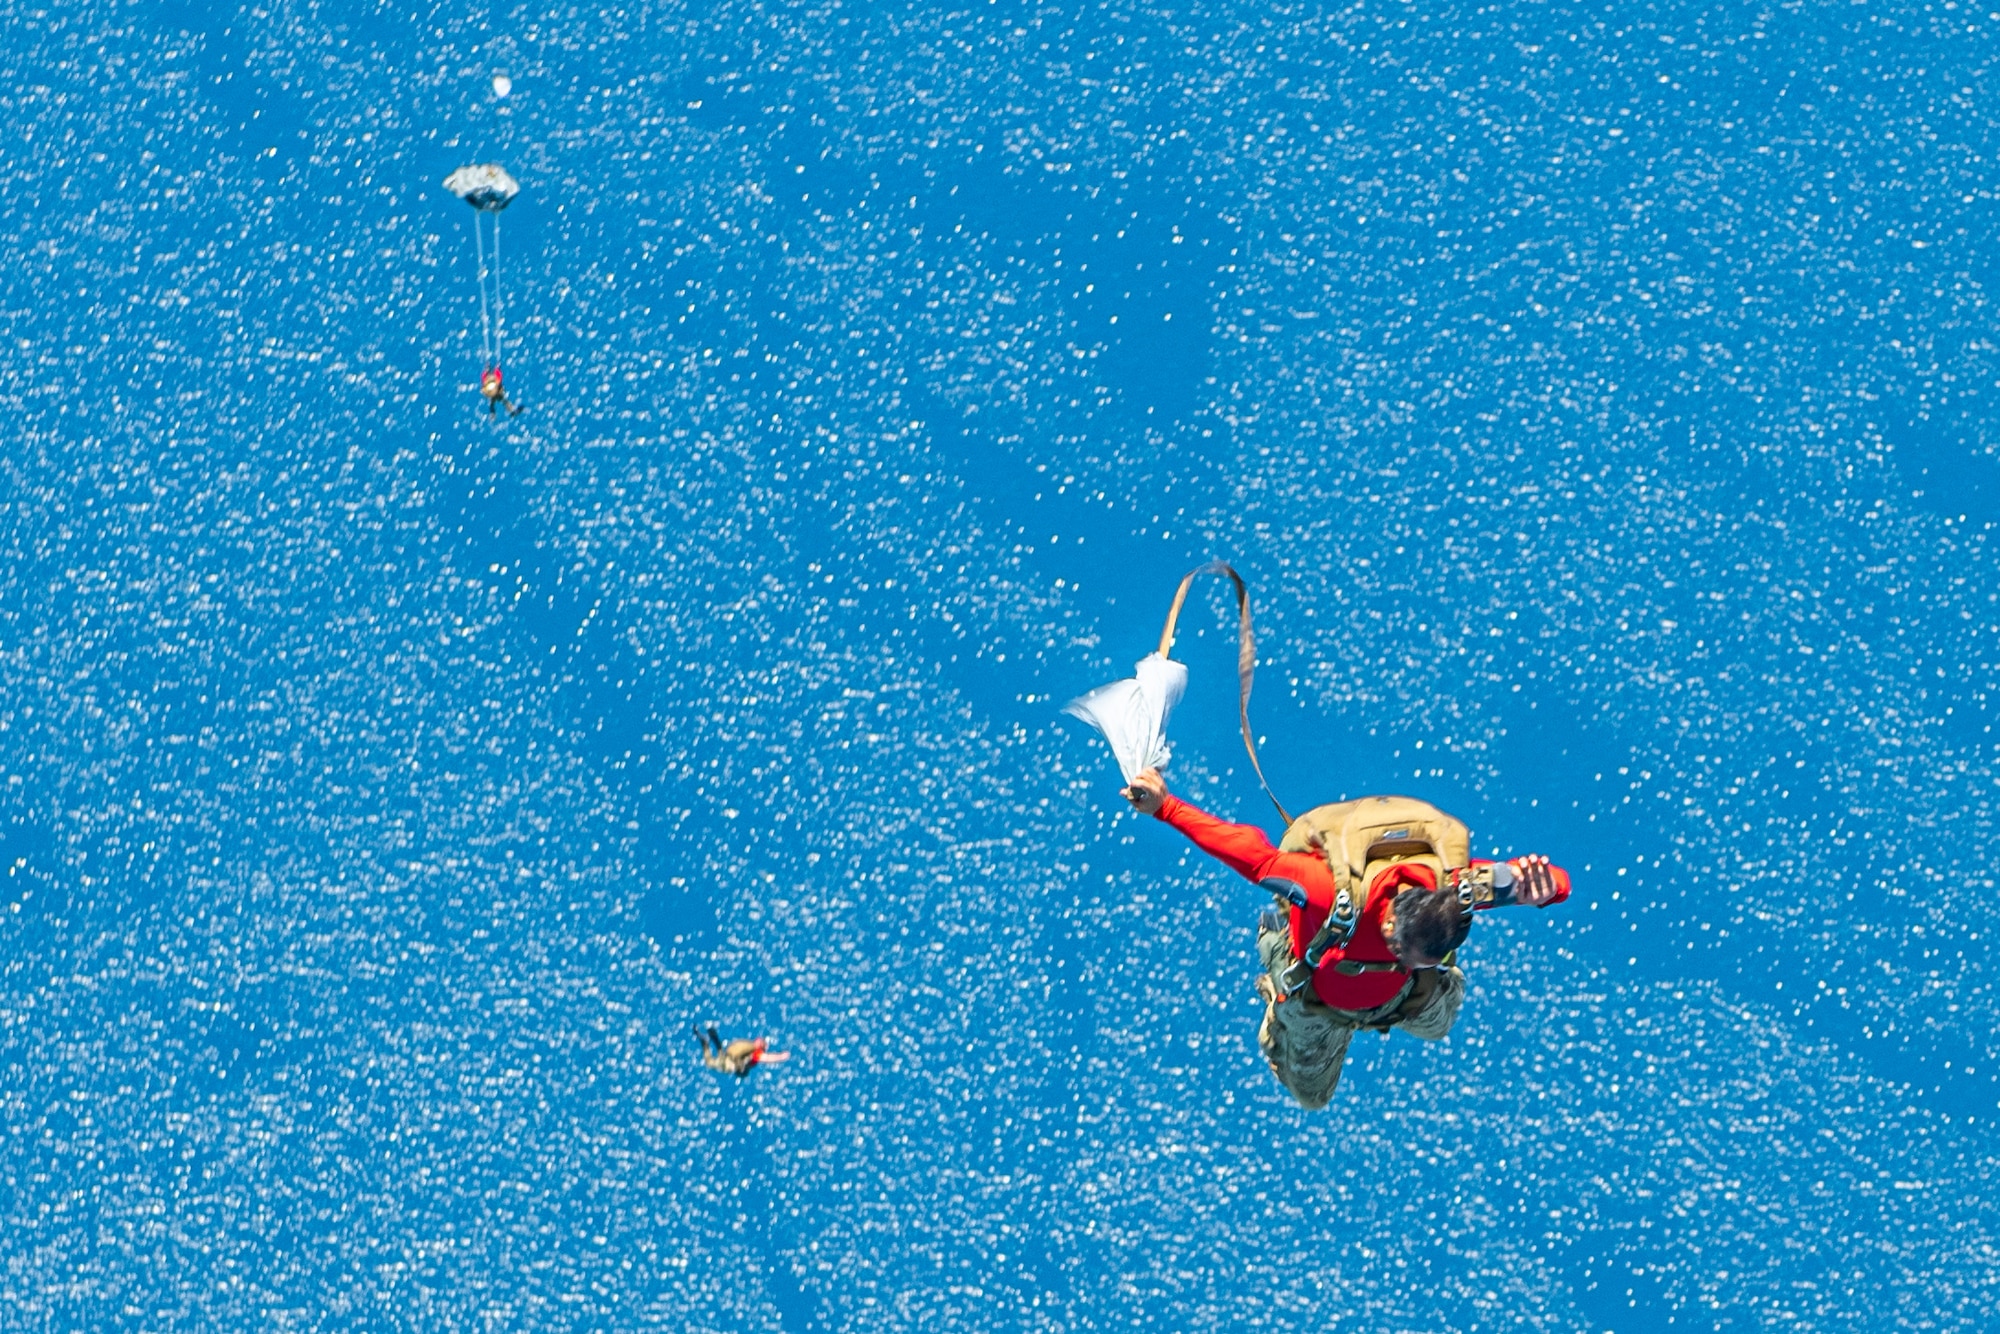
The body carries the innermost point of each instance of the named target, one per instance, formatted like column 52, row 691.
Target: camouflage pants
column 1306, row 1041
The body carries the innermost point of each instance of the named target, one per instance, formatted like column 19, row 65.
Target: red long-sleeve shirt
column 1244, row 849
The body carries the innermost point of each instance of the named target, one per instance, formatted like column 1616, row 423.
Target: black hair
column 1429, row 924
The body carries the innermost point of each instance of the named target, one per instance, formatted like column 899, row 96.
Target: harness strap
column 1482, row 887
column 1333, row 933
column 1299, row 972
column 1337, row 929
column 1356, row 967
column 1246, row 662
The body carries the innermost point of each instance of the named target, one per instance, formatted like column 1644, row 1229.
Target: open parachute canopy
column 486, row 187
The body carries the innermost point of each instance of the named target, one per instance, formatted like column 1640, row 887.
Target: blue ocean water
column 1595, row 397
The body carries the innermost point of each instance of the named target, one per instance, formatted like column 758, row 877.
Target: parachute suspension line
column 1246, row 662
column 485, row 320
column 496, row 288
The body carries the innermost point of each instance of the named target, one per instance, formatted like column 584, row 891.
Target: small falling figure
column 738, row 1057
column 493, row 388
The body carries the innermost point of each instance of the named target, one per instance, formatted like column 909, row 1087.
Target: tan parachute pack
column 1360, row 839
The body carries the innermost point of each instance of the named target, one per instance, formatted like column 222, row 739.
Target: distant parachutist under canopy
column 489, row 189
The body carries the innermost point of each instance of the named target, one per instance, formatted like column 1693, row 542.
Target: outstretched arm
column 1243, row 848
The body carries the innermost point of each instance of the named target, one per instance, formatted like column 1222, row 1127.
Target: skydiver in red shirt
column 1377, row 894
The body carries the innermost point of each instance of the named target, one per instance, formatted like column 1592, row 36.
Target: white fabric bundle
column 1132, row 714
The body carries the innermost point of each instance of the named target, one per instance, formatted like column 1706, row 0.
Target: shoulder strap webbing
column 1342, row 917
column 1246, row 661
column 1337, row 929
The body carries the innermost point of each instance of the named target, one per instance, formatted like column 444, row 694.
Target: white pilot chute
column 1132, row 714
